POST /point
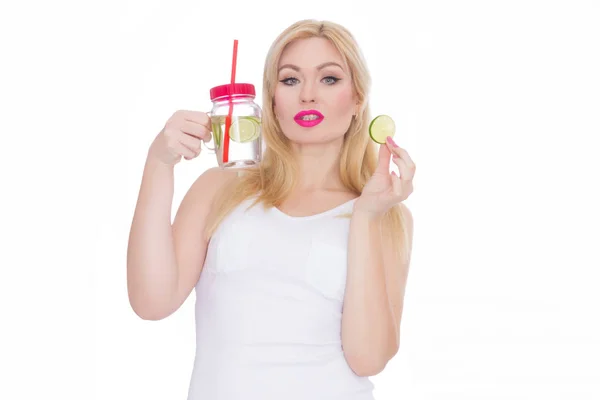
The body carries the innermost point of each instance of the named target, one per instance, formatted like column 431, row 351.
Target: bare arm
column 374, row 296
column 151, row 264
column 164, row 260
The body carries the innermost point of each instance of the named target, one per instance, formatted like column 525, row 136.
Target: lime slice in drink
column 244, row 129
column 216, row 131
column 381, row 127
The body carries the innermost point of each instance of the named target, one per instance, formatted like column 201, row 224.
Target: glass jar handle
column 212, row 137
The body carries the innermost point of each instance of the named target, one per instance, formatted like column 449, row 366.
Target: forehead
column 310, row 52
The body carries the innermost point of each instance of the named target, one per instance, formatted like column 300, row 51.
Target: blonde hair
column 274, row 178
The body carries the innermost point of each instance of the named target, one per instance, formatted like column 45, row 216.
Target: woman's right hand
column 182, row 136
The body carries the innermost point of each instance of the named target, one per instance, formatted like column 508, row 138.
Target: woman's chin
column 315, row 139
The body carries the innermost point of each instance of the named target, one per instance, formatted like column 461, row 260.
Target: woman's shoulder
column 211, row 181
column 225, row 173
column 219, row 173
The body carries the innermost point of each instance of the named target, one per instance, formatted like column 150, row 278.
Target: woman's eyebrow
column 319, row 67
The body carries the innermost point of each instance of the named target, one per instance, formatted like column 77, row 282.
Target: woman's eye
column 289, row 81
column 328, row 80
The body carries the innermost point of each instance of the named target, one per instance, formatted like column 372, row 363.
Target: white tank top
column 269, row 309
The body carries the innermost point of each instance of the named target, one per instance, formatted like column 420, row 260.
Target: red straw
column 228, row 119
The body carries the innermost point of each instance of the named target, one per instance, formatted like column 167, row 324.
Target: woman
column 299, row 265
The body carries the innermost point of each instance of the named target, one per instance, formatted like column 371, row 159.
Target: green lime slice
column 244, row 129
column 381, row 127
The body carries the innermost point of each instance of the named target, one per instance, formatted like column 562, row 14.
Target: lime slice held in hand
column 381, row 127
column 244, row 129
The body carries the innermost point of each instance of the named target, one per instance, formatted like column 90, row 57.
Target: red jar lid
column 246, row 89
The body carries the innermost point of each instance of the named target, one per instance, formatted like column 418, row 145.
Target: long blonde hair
column 274, row 178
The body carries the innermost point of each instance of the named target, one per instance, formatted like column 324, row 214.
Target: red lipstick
column 308, row 118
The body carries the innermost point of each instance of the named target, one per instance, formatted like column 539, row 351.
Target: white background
column 498, row 103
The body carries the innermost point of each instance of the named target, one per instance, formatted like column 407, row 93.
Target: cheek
column 279, row 101
column 344, row 102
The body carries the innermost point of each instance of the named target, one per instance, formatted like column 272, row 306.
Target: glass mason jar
column 242, row 145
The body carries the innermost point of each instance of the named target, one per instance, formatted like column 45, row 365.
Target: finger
column 383, row 164
column 197, row 117
column 184, row 151
column 399, row 151
column 190, row 142
column 196, row 130
column 396, row 185
column 403, row 171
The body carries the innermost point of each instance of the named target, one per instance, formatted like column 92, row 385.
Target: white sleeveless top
column 269, row 309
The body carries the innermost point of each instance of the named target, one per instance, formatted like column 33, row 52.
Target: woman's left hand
column 385, row 189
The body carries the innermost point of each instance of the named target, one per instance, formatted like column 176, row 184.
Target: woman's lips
column 310, row 122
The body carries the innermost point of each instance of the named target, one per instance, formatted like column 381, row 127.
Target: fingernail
column 391, row 141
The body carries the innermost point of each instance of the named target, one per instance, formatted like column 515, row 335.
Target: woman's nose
column 307, row 94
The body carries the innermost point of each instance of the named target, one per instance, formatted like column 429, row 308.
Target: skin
column 164, row 260
column 376, row 279
column 317, row 149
